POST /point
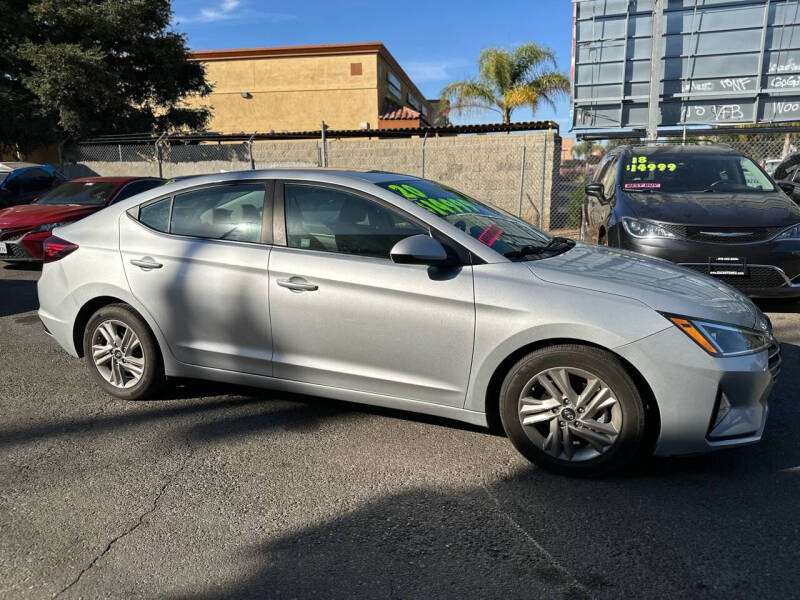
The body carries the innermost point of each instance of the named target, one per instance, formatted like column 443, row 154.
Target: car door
column 604, row 209
column 599, row 211
column 198, row 263
column 344, row 315
column 591, row 224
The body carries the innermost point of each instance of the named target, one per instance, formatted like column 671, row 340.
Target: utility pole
column 653, row 112
column 324, row 129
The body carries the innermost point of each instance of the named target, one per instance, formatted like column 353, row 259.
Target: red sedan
column 24, row 228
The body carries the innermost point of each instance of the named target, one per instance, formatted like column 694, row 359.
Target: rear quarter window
column 156, row 214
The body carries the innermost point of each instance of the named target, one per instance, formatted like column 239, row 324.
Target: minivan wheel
column 573, row 410
column 122, row 354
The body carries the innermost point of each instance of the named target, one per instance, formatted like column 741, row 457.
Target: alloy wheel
column 570, row 414
column 117, row 353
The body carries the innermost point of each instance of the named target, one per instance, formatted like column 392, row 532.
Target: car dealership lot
column 214, row 491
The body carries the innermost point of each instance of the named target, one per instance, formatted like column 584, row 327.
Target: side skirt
column 312, row 389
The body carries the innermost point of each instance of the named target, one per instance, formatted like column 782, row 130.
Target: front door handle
column 146, row 263
column 298, row 284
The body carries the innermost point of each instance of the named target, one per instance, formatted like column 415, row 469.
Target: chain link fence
column 513, row 171
column 526, row 174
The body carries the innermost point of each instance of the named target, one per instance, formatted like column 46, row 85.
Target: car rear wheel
column 122, row 354
column 573, row 410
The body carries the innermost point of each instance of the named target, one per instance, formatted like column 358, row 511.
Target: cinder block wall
column 513, row 171
column 488, row 167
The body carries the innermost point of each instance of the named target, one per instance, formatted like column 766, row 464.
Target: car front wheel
column 573, row 410
column 122, row 354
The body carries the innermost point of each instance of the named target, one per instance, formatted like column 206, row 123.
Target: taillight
column 54, row 248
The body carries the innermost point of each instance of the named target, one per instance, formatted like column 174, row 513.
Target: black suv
column 705, row 207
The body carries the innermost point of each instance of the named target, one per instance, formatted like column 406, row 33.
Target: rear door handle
column 146, row 263
column 298, row 284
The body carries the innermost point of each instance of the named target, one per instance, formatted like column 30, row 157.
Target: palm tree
column 524, row 76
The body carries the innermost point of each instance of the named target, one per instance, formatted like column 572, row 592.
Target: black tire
column 152, row 377
column 631, row 436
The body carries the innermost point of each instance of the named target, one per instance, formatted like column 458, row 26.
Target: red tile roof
column 401, row 113
column 392, row 111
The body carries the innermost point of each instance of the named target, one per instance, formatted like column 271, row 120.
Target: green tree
column 585, row 148
column 74, row 68
column 508, row 80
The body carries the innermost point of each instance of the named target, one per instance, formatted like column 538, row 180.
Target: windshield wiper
column 557, row 245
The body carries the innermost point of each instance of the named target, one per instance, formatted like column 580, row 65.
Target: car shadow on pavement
column 718, row 525
column 422, row 543
column 716, row 529
column 17, row 296
column 243, row 411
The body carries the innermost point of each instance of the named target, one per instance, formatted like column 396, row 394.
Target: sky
column 436, row 42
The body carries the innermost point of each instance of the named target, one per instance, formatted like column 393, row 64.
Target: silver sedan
column 396, row 291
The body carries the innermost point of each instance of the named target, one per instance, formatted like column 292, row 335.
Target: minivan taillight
column 55, row 248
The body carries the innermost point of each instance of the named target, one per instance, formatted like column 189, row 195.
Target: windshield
column 85, row 193
column 693, row 173
column 3, row 177
column 492, row 226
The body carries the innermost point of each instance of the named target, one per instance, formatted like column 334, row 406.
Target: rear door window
column 227, row 212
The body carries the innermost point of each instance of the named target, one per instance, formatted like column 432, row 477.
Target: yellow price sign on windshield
column 642, row 165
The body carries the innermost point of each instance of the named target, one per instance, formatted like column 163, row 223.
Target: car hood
column 715, row 210
column 33, row 215
column 661, row 285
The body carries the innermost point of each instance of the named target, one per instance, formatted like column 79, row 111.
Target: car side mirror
column 787, row 187
column 418, row 250
column 596, row 190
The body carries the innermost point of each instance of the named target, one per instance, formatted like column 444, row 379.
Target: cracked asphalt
column 221, row 492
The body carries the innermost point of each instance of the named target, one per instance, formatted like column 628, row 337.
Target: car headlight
column 641, row 228
column 722, row 339
column 792, row 233
column 49, row 226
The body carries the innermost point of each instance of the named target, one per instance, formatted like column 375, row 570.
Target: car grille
column 728, row 235
column 774, row 360
column 758, row 277
column 15, row 251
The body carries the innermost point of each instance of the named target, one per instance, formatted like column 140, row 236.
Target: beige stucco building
column 295, row 88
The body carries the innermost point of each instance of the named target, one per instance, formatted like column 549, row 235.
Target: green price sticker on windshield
column 439, row 206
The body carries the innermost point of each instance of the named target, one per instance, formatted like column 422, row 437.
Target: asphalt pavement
column 215, row 491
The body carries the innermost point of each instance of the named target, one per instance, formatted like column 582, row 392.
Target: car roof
column 648, row 149
column 7, row 167
column 322, row 173
column 109, row 179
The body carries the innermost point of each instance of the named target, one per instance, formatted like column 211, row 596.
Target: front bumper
column 773, row 267
column 689, row 384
